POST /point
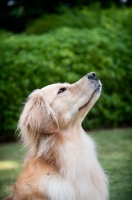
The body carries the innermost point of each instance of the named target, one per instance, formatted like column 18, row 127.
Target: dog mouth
column 96, row 90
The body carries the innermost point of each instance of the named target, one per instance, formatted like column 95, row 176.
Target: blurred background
column 43, row 42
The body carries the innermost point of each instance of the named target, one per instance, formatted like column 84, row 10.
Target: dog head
column 58, row 106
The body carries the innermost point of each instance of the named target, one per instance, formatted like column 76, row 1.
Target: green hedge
column 88, row 17
column 65, row 55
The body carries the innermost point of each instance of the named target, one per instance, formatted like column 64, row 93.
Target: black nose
column 92, row 76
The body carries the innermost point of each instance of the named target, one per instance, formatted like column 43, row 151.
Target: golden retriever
column 61, row 163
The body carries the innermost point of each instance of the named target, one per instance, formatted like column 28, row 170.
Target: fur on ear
column 37, row 118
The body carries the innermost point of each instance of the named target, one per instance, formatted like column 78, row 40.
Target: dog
column 61, row 163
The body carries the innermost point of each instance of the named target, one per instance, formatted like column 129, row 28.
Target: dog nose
column 92, row 76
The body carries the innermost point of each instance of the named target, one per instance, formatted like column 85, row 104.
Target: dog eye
column 61, row 90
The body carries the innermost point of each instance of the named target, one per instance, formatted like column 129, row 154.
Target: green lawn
column 115, row 154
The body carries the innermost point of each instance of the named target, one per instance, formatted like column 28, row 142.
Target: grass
column 10, row 166
column 115, row 155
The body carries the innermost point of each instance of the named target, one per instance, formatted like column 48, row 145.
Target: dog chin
column 94, row 97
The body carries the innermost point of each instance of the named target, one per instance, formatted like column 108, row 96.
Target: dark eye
column 61, row 90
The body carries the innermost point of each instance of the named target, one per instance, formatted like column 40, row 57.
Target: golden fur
column 61, row 163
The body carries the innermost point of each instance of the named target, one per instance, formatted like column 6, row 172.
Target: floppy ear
column 37, row 118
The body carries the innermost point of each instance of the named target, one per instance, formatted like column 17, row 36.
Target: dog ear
column 37, row 118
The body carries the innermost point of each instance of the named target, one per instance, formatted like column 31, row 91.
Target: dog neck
column 56, row 149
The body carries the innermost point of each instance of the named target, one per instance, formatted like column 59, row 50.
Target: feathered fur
column 61, row 163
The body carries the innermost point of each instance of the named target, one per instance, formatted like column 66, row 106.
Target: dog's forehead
column 54, row 87
column 51, row 91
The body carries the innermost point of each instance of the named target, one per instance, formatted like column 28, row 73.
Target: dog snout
column 92, row 76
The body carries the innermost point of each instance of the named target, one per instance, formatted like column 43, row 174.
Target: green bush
column 44, row 24
column 87, row 17
column 66, row 54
